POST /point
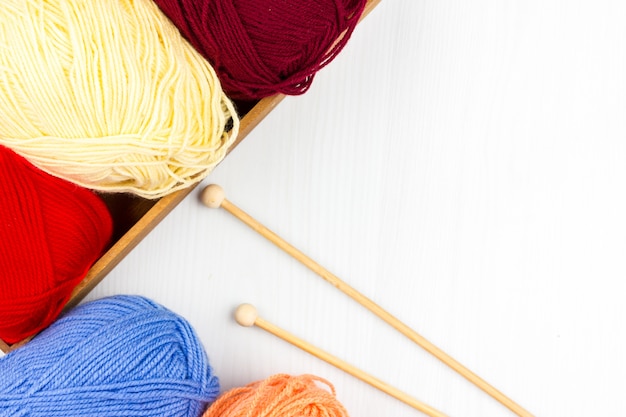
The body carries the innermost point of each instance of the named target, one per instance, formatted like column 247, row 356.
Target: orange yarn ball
column 280, row 396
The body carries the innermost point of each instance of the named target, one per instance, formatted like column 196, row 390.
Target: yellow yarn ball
column 107, row 94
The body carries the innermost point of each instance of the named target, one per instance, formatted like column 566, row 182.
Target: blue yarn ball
column 120, row 356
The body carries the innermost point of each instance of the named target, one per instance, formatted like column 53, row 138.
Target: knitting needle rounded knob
column 212, row 196
column 246, row 315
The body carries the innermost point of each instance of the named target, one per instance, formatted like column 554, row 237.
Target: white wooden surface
column 462, row 164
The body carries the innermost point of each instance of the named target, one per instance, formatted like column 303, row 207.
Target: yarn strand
column 264, row 47
column 110, row 96
column 51, row 233
column 280, row 395
column 117, row 356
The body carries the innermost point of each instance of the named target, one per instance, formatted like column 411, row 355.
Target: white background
column 462, row 163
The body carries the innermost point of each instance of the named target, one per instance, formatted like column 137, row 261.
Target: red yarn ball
column 51, row 232
column 260, row 48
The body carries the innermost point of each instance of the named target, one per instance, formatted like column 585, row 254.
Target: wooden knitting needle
column 246, row 315
column 213, row 196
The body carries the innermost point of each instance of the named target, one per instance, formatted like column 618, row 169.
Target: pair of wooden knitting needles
column 213, row 196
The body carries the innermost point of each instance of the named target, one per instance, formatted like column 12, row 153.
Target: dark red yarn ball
column 51, row 233
column 259, row 48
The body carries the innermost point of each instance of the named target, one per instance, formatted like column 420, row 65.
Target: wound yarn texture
column 280, row 395
column 51, row 232
column 109, row 95
column 118, row 356
column 263, row 47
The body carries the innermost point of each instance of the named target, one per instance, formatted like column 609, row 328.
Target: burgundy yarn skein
column 259, row 48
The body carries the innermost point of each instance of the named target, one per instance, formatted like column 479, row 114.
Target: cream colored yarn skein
column 109, row 95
